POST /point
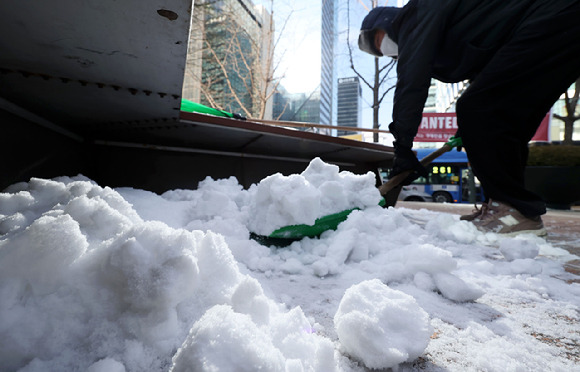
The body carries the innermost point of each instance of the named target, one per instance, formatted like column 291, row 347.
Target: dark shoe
column 501, row 218
column 476, row 213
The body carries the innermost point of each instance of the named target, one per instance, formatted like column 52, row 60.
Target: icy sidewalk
column 563, row 226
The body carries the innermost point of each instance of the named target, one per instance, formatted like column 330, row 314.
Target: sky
column 298, row 51
column 299, row 24
column 114, row 280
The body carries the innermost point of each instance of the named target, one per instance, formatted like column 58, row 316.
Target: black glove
column 458, row 135
column 405, row 159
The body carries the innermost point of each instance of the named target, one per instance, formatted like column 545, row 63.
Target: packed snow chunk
column 518, row 248
column 249, row 299
column 343, row 244
column 41, row 254
column 424, row 281
column 97, row 218
column 106, row 365
column 320, row 190
column 319, row 172
column 447, row 227
column 341, row 190
column 152, row 264
column 425, row 257
column 456, row 289
column 380, row 326
column 218, row 268
column 223, row 340
column 525, row 266
column 359, row 190
column 281, row 201
column 212, row 198
column 13, row 202
column 12, row 222
column 96, row 209
column 294, row 335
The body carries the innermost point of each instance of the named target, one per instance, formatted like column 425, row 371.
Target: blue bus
column 448, row 180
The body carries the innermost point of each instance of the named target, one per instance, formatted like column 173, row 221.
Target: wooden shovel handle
column 396, row 180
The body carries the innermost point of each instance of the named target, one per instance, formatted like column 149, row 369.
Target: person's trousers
column 502, row 108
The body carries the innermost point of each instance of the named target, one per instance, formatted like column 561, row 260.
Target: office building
column 229, row 57
column 447, row 95
column 297, row 107
column 349, row 104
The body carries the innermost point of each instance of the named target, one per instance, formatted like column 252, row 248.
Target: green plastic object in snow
column 287, row 234
column 189, row 106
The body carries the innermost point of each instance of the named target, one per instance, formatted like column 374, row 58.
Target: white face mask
column 389, row 48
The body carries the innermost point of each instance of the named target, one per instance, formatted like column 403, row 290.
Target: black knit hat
column 380, row 18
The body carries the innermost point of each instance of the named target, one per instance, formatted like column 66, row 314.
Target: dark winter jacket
column 450, row 40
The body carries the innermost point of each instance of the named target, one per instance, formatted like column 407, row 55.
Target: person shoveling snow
column 518, row 57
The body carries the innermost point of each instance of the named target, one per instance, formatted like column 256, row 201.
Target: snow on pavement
column 98, row 279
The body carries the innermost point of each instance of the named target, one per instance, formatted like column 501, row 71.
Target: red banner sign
column 439, row 127
column 543, row 132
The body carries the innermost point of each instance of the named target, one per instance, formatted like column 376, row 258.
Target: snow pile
column 302, row 198
column 110, row 291
column 382, row 242
column 226, row 340
column 98, row 279
column 380, row 326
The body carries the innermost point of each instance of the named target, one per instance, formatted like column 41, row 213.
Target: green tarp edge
column 189, row 106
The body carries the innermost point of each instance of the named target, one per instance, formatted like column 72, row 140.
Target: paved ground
column 563, row 225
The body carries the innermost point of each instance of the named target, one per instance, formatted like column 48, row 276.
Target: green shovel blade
column 287, row 234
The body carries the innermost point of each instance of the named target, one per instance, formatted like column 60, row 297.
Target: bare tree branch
column 244, row 57
column 364, row 6
column 570, row 117
column 389, row 68
column 385, row 93
column 227, row 78
column 350, row 47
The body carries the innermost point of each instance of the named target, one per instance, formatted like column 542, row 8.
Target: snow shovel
column 286, row 235
column 391, row 189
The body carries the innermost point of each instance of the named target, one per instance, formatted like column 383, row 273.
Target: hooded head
column 380, row 18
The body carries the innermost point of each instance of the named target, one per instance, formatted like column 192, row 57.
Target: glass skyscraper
column 227, row 62
column 327, row 66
